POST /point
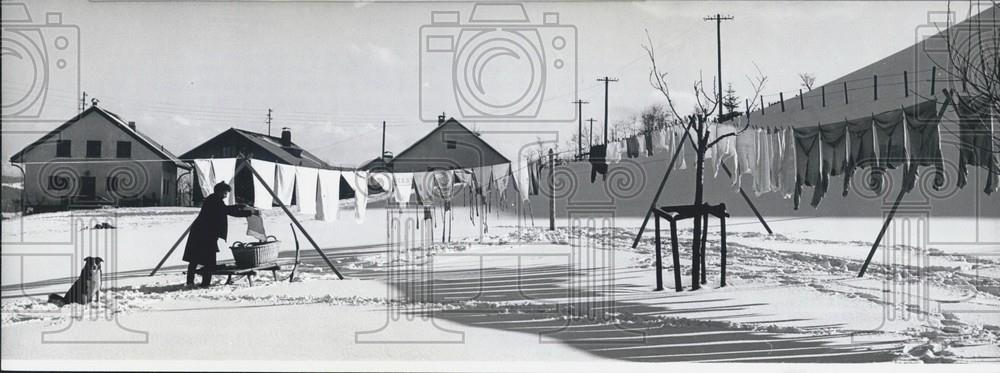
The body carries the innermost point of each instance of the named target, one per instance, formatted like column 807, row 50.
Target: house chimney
column 286, row 136
column 131, row 125
column 441, row 119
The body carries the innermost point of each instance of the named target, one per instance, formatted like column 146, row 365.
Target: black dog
column 86, row 289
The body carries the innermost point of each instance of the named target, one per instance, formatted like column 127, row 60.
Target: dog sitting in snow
column 86, row 289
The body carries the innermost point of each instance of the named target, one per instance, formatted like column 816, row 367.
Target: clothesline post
column 881, row 233
column 239, row 167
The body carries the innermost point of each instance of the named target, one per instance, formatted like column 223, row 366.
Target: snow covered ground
column 576, row 294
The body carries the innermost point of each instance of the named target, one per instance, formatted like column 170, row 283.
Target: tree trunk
column 698, row 200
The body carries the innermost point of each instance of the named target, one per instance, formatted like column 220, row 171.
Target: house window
column 63, row 148
column 452, row 144
column 93, row 149
column 124, row 149
column 58, row 183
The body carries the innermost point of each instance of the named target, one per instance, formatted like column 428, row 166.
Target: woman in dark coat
column 210, row 225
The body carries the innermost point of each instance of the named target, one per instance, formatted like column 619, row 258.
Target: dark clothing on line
column 861, row 152
column 975, row 133
column 648, row 137
column 833, row 138
column 632, row 147
column 808, row 156
column 598, row 162
column 925, row 143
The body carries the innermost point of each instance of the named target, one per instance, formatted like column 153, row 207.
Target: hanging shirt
column 776, row 143
column 922, row 122
column 977, row 142
column 808, row 161
column 284, row 183
column 633, row 147
column 762, row 170
column 328, row 190
column 262, row 199
column 660, row 140
column 862, row 152
column 598, row 164
column 890, row 137
column 835, row 142
column 305, row 187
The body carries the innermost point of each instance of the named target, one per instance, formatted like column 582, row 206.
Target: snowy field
column 516, row 293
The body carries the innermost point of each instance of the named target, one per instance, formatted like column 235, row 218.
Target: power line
column 718, row 18
column 579, row 129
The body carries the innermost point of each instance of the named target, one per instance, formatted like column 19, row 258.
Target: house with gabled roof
column 97, row 158
column 448, row 146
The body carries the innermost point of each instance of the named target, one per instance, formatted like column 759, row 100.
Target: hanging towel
column 403, row 187
column 443, row 184
column 835, row 142
column 713, row 134
column 641, row 140
column 534, row 173
column 328, row 192
column 499, row 180
column 598, row 164
column 262, row 199
column 358, row 180
column 862, row 152
column 255, row 227
column 305, row 188
column 808, row 161
column 977, row 141
column 284, row 183
column 746, row 155
column 203, row 168
column 762, row 174
column 224, row 170
column 788, row 163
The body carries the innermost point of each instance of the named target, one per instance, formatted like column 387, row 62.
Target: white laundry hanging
column 403, row 185
column 284, row 183
column 224, row 170
column 328, row 191
column 305, row 187
column 261, row 198
column 359, row 182
column 203, row 168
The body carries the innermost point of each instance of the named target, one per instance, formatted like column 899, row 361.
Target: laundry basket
column 255, row 254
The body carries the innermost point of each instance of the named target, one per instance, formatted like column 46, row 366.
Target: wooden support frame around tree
column 673, row 214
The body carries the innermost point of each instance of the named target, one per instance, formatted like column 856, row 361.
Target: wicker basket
column 255, row 254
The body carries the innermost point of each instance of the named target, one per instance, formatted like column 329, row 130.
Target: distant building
column 97, row 158
column 234, row 142
column 448, row 146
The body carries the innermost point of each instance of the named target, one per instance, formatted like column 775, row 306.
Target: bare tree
column 971, row 60
column 807, row 80
column 696, row 126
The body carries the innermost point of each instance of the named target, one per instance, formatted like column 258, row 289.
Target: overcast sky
column 332, row 72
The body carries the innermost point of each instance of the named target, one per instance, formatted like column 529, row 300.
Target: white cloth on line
column 522, row 177
column 261, row 198
column 403, row 187
column 255, row 227
column 224, row 170
column 305, row 187
column 358, row 180
column 284, row 183
column 422, row 182
column 329, row 195
column 203, row 168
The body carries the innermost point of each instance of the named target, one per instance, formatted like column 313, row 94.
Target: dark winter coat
column 210, row 225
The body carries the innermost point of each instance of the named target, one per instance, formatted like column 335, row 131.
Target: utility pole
column 579, row 126
column 718, row 18
column 83, row 102
column 591, row 137
column 269, row 121
column 382, row 155
column 606, row 80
